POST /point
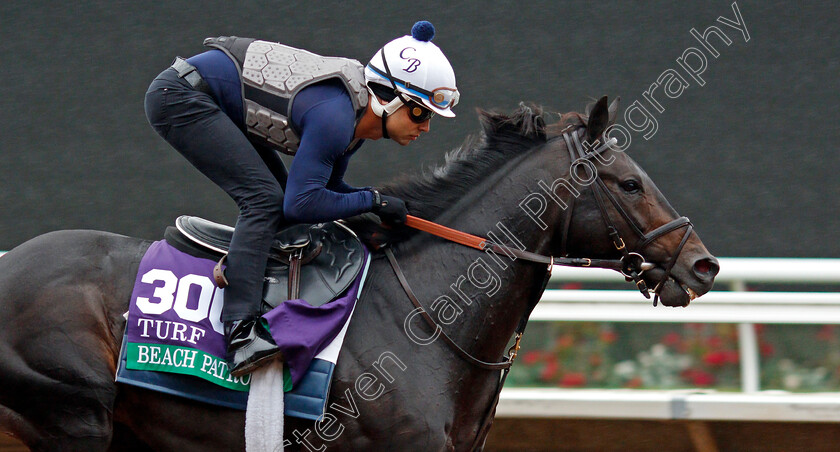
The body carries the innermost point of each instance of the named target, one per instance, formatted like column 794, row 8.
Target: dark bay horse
column 63, row 295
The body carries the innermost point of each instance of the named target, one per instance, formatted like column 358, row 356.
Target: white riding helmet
column 414, row 67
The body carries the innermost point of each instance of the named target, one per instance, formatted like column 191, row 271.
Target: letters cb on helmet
column 415, row 67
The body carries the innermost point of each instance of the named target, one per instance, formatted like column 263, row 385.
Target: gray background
column 750, row 157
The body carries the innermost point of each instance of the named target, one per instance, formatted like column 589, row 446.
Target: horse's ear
column 599, row 118
column 614, row 109
column 588, row 109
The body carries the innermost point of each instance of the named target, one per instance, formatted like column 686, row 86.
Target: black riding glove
column 389, row 209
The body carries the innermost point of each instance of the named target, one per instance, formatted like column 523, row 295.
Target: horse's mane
column 503, row 137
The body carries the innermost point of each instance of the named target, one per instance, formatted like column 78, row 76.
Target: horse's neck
column 487, row 293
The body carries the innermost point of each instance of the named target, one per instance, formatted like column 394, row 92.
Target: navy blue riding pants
column 192, row 122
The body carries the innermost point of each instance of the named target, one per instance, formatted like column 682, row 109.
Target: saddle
column 313, row 262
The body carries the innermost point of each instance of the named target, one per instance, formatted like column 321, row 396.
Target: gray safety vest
column 272, row 74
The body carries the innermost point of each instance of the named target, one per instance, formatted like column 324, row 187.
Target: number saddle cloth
column 174, row 331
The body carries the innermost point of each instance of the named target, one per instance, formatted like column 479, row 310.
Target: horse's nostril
column 706, row 268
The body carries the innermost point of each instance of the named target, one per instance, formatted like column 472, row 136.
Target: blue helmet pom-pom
column 423, row 31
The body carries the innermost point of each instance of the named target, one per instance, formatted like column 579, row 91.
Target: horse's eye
column 631, row 186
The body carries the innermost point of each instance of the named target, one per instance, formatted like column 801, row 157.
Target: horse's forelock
column 568, row 122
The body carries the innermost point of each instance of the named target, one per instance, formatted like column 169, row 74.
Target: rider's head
column 414, row 72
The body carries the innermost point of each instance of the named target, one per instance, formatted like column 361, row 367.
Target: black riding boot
column 249, row 345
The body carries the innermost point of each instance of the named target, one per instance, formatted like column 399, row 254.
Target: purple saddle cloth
column 174, row 330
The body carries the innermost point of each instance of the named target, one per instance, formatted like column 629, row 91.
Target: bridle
column 632, row 263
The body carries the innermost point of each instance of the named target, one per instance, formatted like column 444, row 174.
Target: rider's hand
column 389, row 209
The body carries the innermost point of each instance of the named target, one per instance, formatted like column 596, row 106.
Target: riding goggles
column 442, row 97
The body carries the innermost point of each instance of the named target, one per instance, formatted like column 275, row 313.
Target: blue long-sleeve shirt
column 323, row 114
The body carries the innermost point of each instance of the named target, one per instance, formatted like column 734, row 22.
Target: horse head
column 621, row 202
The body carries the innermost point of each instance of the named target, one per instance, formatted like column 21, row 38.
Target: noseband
column 633, row 262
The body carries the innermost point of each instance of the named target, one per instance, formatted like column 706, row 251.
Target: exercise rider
column 229, row 109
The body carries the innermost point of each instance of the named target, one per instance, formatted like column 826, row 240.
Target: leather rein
column 632, row 264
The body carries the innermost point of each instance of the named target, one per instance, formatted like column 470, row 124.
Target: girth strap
column 429, row 321
column 503, row 366
column 484, row 429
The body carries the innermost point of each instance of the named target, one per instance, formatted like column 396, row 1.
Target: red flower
column 531, row 357
column 826, row 333
column 731, row 356
column 573, row 380
column 565, row 341
column 672, row 339
column 549, row 371
column 608, row 336
column 698, row 377
column 635, row 382
column 701, row 378
column 766, row 349
column 714, row 342
column 715, row 359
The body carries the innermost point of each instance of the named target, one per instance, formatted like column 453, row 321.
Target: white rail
column 735, row 306
column 688, row 404
column 734, row 270
column 714, row 307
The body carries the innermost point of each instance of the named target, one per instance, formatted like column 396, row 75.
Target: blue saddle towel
column 174, row 341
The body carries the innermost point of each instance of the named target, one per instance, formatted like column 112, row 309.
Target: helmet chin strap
column 384, row 110
column 385, row 126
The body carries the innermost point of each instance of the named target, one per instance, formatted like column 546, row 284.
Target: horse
column 395, row 387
